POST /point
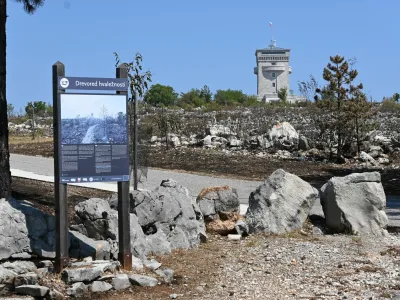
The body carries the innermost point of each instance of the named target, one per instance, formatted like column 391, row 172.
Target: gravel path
column 314, row 267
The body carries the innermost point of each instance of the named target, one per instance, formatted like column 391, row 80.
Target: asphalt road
column 194, row 183
column 40, row 167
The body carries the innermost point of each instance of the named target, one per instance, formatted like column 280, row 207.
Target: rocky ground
column 303, row 264
column 306, row 267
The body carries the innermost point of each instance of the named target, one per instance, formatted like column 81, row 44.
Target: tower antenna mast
column 273, row 42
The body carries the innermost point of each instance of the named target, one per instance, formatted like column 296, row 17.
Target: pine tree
column 333, row 98
column 359, row 112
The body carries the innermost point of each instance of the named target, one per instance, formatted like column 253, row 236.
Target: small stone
column 234, row 237
column 30, row 278
column 41, row 272
column 137, row 264
column 167, row 274
column 106, row 277
column 88, row 259
column 173, row 296
column 78, row 289
column 200, row 289
column 32, row 290
column 317, row 231
column 152, row 264
column 56, row 295
column 100, row 286
column 81, row 274
column 121, row 282
column 45, row 264
column 22, row 255
column 21, row 266
column 242, row 228
column 142, row 280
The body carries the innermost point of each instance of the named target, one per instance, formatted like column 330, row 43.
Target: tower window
column 273, row 64
column 273, row 75
column 273, row 84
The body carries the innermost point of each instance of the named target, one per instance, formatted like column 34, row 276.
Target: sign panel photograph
column 93, row 140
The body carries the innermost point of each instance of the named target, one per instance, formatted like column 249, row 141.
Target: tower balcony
column 290, row 70
column 256, row 70
column 274, row 68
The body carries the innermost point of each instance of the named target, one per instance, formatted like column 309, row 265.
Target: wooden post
column 124, row 234
column 60, row 189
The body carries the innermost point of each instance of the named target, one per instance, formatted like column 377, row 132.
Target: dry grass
column 27, row 139
column 370, row 269
column 393, row 251
column 356, row 240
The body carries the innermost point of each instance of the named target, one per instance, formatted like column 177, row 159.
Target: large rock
column 78, row 290
column 142, row 280
column 99, row 221
column 14, row 233
column 281, row 204
column 7, row 278
column 32, row 290
column 96, row 219
column 214, row 200
column 84, row 274
column 218, row 130
column 81, row 246
column 355, row 203
column 169, row 209
column 100, row 287
column 41, row 230
column 364, row 157
column 284, row 136
column 25, row 229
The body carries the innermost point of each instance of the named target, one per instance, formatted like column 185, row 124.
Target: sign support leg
column 124, row 233
column 124, row 254
column 60, row 190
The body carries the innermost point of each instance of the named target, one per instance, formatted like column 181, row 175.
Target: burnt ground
column 41, row 194
column 248, row 167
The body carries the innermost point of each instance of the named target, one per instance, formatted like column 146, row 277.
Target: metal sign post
column 60, row 189
column 124, row 254
column 91, row 144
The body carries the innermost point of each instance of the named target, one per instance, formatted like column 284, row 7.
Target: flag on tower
column 270, row 24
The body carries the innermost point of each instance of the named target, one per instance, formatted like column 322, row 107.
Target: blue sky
column 189, row 44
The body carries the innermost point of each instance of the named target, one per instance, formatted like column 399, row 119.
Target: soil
column 41, row 195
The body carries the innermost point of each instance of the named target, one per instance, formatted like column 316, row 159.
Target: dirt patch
column 41, row 194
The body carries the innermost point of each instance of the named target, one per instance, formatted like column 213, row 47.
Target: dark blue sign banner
column 90, row 83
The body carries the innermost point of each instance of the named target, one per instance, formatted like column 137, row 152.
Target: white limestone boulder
column 281, row 204
column 355, row 204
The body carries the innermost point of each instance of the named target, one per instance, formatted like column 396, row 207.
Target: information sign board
column 93, row 140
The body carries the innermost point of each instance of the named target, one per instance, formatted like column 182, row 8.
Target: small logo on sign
column 64, row 83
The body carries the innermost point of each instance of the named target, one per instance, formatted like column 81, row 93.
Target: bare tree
column 307, row 88
column 138, row 85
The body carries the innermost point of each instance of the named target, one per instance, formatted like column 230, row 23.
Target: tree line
column 32, row 110
column 159, row 95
